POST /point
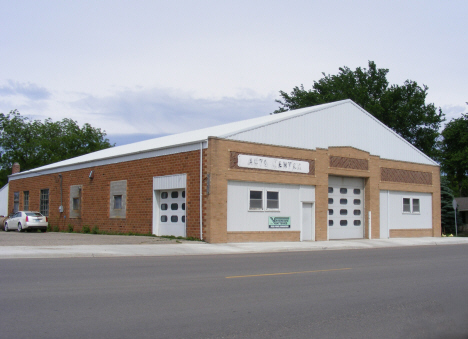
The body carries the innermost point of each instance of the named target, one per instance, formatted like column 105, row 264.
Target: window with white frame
column 411, row 206
column 257, row 201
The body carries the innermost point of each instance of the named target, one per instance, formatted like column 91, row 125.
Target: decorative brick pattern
column 405, row 176
column 351, row 163
column 233, row 162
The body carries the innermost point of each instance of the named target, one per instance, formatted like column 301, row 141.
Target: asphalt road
column 411, row 292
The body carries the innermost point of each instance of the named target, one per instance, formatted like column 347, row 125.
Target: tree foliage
column 33, row 143
column 454, row 155
column 402, row 108
column 446, row 207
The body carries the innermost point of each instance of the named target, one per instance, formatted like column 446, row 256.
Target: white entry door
column 172, row 212
column 308, row 229
column 345, row 208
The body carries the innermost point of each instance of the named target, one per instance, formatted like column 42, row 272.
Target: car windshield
column 34, row 214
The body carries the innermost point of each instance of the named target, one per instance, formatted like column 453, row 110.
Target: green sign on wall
column 279, row 222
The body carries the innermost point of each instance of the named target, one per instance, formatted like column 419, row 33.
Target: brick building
column 325, row 172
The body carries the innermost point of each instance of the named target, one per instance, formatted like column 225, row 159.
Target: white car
column 27, row 220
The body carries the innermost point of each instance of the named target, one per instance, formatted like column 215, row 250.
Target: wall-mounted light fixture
column 91, row 174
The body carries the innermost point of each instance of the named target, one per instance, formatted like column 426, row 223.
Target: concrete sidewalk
column 200, row 248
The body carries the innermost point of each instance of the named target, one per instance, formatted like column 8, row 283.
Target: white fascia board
column 111, row 160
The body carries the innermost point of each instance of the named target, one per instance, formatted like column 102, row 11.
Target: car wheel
column 44, row 230
column 20, row 228
column 6, row 228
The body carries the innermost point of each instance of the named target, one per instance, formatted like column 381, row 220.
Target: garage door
column 345, row 208
column 172, row 212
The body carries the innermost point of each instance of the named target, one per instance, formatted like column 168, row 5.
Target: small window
column 76, row 204
column 357, row 191
column 26, row 200
column 117, row 202
column 272, row 200
column 330, row 201
column 174, row 207
column 164, row 195
column 330, row 189
column 357, row 222
column 357, row 212
column 343, row 222
column 406, row 205
column 174, row 195
column 163, row 218
column 330, row 212
column 256, row 200
column 343, row 212
column 415, row 205
column 174, row 218
column 343, row 190
column 343, row 201
column 183, row 206
column 164, row 207
column 183, row 194
column 183, row 218
column 330, row 222
column 357, row 202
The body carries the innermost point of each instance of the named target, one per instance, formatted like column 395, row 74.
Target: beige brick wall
column 221, row 171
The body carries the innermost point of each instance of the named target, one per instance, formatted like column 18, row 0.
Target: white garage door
column 172, row 212
column 345, row 208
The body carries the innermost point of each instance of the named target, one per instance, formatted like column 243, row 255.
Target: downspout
column 201, row 190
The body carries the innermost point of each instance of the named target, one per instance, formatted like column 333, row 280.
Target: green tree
column 33, row 143
column 446, row 207
column 402, row 108
column 454, row 155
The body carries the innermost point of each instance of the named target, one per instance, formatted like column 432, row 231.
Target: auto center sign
column 272, row 164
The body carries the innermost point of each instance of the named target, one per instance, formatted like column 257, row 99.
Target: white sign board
column 272, row 164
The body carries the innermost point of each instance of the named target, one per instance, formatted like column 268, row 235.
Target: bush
column 85, row 229
column 56, row 228
column 70, row 228
column 95, row 230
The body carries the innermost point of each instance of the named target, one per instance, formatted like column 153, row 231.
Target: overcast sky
column 143, row 68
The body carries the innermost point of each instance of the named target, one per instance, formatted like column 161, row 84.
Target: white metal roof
column 341, row 123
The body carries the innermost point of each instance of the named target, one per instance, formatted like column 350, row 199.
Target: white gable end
column 342, row 124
